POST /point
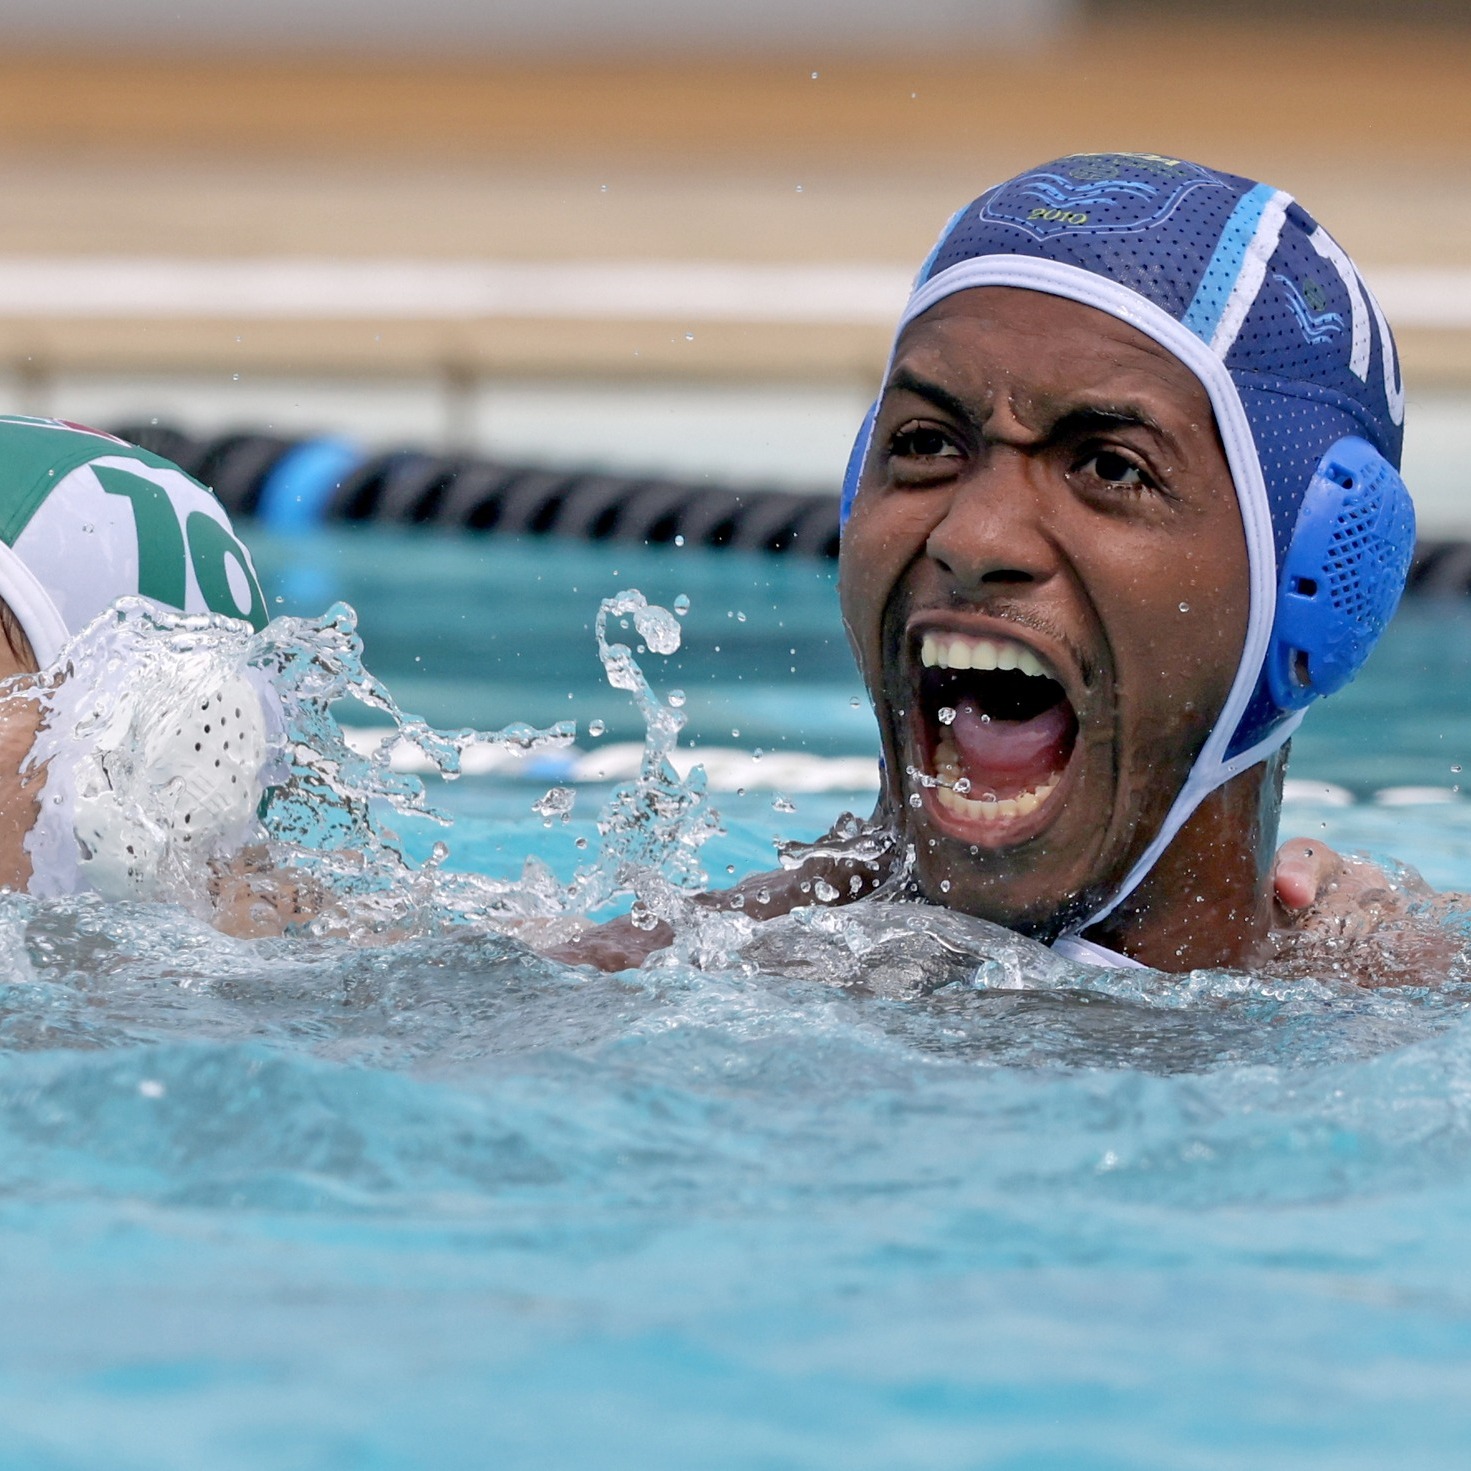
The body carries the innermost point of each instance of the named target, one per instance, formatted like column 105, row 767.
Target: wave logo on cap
column 1089, row 194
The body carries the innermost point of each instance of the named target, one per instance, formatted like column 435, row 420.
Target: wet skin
column 19, row 796
column 1044, row 475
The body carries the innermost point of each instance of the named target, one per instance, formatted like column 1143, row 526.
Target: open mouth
column 997, row 728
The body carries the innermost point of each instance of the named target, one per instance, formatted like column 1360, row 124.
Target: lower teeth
column 952, row 786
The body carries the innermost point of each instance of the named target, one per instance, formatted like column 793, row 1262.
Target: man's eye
column 1116, row 470
column 922, row 442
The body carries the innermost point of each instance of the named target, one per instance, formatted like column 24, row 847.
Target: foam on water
column 871, row 1186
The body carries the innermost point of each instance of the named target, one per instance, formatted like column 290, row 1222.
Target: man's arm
column 848, row 862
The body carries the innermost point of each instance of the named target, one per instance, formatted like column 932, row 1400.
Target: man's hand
column 255, row 900
column 1312, row 882
column 619, row 944
column 1344, row 915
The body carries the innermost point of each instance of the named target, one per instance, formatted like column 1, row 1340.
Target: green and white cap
column 86, row 518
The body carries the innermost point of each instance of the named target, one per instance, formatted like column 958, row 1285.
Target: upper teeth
column 951, row 651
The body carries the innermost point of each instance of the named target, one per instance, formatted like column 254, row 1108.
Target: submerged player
column 1128, row 503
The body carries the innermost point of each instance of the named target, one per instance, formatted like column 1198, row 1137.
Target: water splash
column 307, row 842
column 653, row 827
column 319, row 845
column 320, row 857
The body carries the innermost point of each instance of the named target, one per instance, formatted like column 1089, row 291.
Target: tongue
column 1006, row 757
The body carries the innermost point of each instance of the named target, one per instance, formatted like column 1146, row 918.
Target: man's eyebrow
column 1087, row 419
column 942, row 398
column 1074, row 422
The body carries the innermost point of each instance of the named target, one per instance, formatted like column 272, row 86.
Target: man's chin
column 1030, row 874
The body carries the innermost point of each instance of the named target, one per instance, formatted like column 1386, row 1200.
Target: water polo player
column 87, row 519
column 1128, row 504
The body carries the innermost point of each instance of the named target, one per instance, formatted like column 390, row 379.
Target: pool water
column 285, row 1205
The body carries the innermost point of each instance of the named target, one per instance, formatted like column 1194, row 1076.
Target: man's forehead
column 1043, row 352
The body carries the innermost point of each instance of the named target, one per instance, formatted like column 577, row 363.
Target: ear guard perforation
column 1342, row 575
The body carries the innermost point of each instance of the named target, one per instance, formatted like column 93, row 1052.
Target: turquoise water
column 286, row 1205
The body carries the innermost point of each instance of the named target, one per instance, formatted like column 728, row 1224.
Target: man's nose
column 999, row 527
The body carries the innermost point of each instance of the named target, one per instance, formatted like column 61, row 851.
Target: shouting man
column 1127, row 504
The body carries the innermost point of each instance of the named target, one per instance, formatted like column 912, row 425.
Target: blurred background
column 660, row 236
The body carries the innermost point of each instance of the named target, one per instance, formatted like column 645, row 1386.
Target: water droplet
column 689, row 336
column 780, row 804
column 658, row 628
column 962, row 786
column 946, row 715
column 582, row 842
column 855, row 703
column 737, row 901
column 556, row 803
column 234, row 377
column 915, row 800
column 736, row 734
column 740, row 617
column 676, row 699
column 944, row 886
column 1456, row 767
column 763, row 896
column 824, row 891
column 152, row 1088
column 814, row 76
column 679, row 541
column 595, row 728
column 757, row 754
column 1184, row 607
column 681, row 605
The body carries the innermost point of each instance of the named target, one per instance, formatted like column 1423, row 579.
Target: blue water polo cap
column 1242, row 285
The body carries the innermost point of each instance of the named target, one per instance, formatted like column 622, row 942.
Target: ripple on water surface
column 285, row 1203
column 854, row 1193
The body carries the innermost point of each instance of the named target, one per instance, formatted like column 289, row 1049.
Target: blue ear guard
column 1342, row 575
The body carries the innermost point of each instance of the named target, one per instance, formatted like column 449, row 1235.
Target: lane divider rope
column 296, row 485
